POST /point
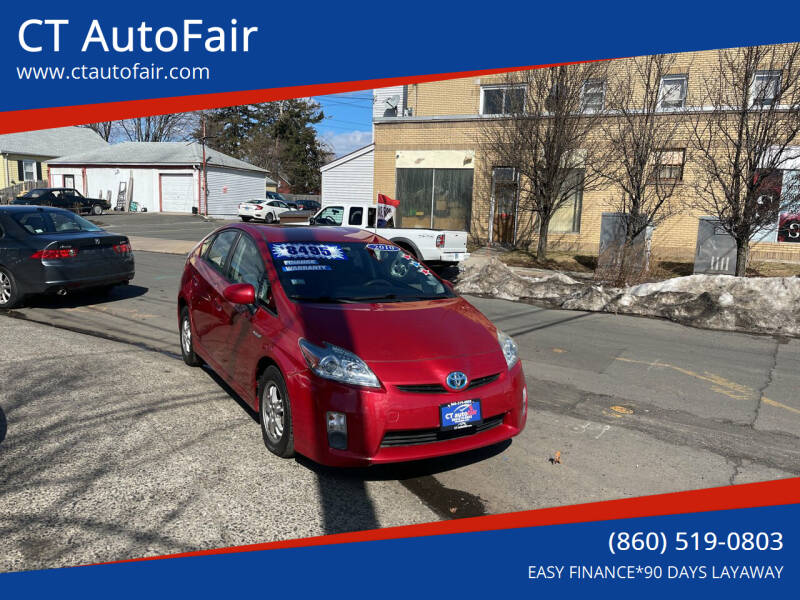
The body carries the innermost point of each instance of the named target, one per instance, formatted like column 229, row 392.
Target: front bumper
column 387, row 425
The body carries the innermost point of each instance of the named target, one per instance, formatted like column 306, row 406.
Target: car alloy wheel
column 270, row 218
column 6, row 289
column 97, row 210
column 186, row 335
column 187, row 347
column 275, row 412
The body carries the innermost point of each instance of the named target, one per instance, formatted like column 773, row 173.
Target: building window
column 669, row 165
column 502, row 99
column 765, row 87
column 593, row 95
column 673, row 91
column 29, row 170
column 434, row 198
column 567, row 219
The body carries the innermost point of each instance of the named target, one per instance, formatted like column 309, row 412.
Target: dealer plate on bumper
column 457, row 415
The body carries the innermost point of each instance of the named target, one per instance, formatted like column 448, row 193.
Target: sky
column 348, row 120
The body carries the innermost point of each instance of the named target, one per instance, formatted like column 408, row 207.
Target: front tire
column 187, row 343
column 275, row 412
column 9, row 292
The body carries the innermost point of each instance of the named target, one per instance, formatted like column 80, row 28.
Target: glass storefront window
column 434, row 198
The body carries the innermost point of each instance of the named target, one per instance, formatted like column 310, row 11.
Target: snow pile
column 761, row 305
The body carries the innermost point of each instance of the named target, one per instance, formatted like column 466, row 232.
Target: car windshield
column 353, row 272
column 41, row 222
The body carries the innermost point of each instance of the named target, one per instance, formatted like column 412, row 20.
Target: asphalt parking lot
column 110, row 447
column 158, row 225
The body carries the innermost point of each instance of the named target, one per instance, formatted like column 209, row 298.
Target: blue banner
column 735, row 552
column 56, row 54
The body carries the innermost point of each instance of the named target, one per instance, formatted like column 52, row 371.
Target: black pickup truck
column 68, row 198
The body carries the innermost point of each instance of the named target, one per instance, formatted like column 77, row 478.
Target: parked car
column 276, row 196
column 68, row 198
column 51, row 250
column 353, row 352
column 265, row 210
column 308, row 205
column 433, row 246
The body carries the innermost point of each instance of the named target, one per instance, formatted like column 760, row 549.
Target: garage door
column 177, row 193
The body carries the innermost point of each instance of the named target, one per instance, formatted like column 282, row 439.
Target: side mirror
column 240, row 293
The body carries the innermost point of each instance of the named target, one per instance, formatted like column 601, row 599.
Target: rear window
column 41, row 222
column 353, row 272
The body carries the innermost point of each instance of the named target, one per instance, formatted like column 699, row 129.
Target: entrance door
column 177, row 193
column 69, row 181
column 504, row 193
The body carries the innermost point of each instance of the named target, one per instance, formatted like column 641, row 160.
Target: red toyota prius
column 352, row 352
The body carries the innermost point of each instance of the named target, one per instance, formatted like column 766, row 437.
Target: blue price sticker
column 383, row 247
column 289, row 250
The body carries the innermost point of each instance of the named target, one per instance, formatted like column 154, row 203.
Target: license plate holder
column 460, row 414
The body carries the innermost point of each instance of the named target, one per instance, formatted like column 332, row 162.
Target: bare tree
column 104, row 129
column 645, row 157
column 544, row 133
column 159, row 128
column 742, row 140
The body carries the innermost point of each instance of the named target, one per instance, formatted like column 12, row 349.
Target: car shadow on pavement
column 86, row 297
column 3, row 425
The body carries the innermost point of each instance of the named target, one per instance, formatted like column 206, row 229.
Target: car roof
column 29, row 207
column 295, row 233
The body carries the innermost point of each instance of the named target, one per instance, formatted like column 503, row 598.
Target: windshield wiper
column 321, row 299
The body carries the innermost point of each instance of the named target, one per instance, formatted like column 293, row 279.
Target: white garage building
column 161, row 176
column 349, row 178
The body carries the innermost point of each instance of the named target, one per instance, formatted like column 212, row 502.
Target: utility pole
column 205, row 170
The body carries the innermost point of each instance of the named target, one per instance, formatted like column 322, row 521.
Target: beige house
column 427, row 153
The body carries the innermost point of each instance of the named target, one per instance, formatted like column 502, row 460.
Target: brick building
column 427, row 140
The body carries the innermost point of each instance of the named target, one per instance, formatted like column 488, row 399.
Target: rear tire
column 275, row 412
column 270, row 218
column 97, row 210
column 9, row 292
column 187, row 343
column 246, row 219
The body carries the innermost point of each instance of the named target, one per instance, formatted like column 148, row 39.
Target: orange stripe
column 60, row 116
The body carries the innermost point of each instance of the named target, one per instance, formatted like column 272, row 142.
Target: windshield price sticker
column 306, row 268
column 291, row 250
column 295, row 263
column 383, row 247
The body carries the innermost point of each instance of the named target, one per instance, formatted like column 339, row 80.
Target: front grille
column 438, row 388
column 415, row 437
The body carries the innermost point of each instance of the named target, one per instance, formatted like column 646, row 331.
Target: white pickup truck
column 428, row 245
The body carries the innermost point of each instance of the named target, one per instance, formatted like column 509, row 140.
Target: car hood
column 400, row 331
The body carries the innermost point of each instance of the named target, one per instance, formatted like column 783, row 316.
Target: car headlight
column 509, row 348
column 338, row 364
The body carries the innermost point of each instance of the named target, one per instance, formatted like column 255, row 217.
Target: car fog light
column 524, row 401
column 337, row 430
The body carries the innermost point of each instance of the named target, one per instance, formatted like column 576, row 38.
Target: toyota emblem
column 456, row 380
